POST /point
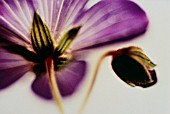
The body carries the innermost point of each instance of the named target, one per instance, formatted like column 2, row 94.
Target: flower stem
column 92, row 81
column 53, row 85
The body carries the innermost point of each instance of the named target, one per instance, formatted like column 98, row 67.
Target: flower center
column 44, row 45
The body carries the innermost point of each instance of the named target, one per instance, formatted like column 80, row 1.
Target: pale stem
column 53, row 84
column 92, row 81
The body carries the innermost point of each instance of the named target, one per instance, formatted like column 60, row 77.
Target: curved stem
column 53, row 85
column 92, row 81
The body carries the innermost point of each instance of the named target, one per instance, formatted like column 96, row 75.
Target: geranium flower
column 44, row 36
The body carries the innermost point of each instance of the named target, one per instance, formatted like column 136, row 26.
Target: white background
column 110, row 94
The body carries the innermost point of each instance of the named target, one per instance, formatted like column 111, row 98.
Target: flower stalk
column 131, row 65
column 92, row 81
column 53, row 85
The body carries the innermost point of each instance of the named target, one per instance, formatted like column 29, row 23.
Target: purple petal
column 10, row 75
column 59, row 14
column 16, row 18
column 12, row 67
column 67, row 79
column 41, row 87
column 8, row 36
column 48, row 11
column 9, row 60
column 70, row 11
column 109, row 22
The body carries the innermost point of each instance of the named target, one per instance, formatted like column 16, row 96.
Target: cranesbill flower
column 44, row 36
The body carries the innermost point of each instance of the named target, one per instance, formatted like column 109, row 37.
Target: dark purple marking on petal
column 69, row 78
column 10, row 75
column 110, row 22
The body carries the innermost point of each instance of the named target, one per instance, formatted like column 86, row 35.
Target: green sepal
column 137, row 54
column 41, row 38
column 66, row 40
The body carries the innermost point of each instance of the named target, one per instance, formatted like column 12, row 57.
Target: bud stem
column 92, row 81
column 53, row 85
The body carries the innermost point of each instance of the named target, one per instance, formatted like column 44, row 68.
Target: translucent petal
column 41, row 87
column 59, row 15
column 110, row 22
column 10, row 75
column 12, row 67
column 71, row 9
column 48, row 11
column 9, row 60
column 16, row 17
column 67, row 79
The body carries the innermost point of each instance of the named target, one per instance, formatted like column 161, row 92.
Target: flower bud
column 134, row 67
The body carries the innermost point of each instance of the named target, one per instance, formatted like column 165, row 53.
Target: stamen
column 53, row 85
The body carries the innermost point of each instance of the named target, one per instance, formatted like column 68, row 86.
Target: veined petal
column 110, row 21
column 70, row 10
column 10, row 75
column 59, row 15
column 67, row 79
column 12, row 67
column 10, row 60
column 48, row 11
column 16, row 17
column 41, row 87
column 6, row 35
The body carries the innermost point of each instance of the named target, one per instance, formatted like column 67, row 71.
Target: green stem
column 92, row 81
column 53, row 85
